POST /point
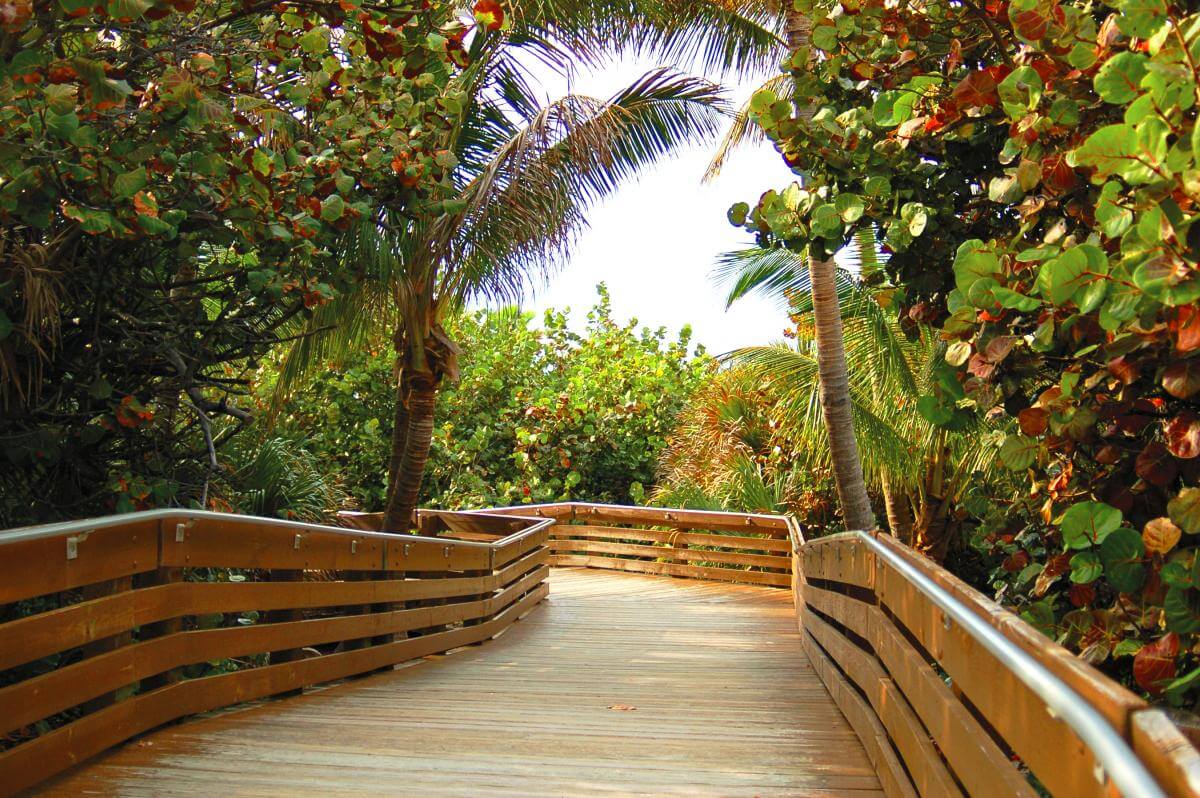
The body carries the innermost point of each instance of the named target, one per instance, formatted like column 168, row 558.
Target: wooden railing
column 102, row 623
column 952, row 695
column 697, row 544
column 105, row 623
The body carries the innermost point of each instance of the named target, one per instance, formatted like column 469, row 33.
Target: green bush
column 539, row 413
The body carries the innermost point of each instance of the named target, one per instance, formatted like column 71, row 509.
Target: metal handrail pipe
column 1113, row 755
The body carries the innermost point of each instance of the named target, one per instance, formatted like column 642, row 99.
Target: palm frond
column 743, row 130
column 774, row 272
column 524, row 206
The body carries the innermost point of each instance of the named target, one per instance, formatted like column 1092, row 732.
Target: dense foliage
column 173, row 179
column 538, row 414
column 1032, row 166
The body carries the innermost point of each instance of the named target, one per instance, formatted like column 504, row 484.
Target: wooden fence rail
column 902, row 645
column 113, row 627
column 110, row 628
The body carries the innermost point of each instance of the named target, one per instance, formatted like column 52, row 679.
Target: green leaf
column 1184, row 510
column 1088, row 523
column 1128, row 151
column 1182, row 610
column 738, row 213
column 129, row 183
column 1066, row 277
column 1114, row 220
column 1141, row 18
column 1122, row 552
column 1018, row 452
column 62, row 125
column 850, row 207
column 824, row 37
column 973, row 261
column 1011, row 299
column 6, row 325
column 316, row 41
column 1086, row 567
column 1167, row 282
column 1119, row 80
column 1021, row 92
column 333, row 208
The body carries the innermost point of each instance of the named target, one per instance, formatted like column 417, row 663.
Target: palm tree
column 526, row 173
column 921, row 470
column 822, row 285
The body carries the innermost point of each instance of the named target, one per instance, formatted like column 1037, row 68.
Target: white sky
column 656, row 240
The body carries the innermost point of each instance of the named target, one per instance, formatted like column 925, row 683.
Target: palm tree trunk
column 399, row 435
column 835, row 397
column 410, row 470
column 899, row 512
column 831, row 355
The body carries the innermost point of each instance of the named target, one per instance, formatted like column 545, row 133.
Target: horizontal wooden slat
column 40, row 566
column 973, row 756
column 1170, row 757
column 37, row 698
column 38, row 636
column 839, row 559
column 37, row 760
column 928, row 770
column 1046, row 744
column 675, row 538
column 509, row 549
column 862, row 718
column 670, row 552
column 672, row 569
column 775, row 525
column 1107, row 696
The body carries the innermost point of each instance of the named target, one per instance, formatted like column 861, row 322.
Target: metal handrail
column 1113, row 754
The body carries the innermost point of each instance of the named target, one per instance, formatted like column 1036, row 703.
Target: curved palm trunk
column 835, row 397
column 399, row 436
column 831, row 357
column 409, row 469
column 899, row 512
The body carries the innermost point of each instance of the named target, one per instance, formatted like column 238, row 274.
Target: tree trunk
column 899, row 512
column 831, row 354
column 422, row 396
column 835, row 397
column 399, row 434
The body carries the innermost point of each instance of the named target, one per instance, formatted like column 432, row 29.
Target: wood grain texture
column 619, row 684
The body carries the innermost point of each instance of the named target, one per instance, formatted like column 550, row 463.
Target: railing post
column 161, row 577
column 99, row 590
column 283, row 616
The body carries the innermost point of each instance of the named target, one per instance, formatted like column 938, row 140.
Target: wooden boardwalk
column 619, row 684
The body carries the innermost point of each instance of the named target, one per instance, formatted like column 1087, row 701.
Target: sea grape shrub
column 1034, row 167
column 540, row 413
column 174, row 180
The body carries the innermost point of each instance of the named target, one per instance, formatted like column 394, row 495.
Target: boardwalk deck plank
column 726, row 703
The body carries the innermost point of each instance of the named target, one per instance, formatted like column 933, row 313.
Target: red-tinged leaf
column 1016, row 561
column 1185, row 327
column 1183, row 435
column 1156, row 465
column 1033, row 421
column 976, row 90
column 980, row 367
column 1154, row 664
column 1123, row 370
column 489, row 14
column 1182, row 378
column 1057, row 175
column 1082, row 595
column 999, row 347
